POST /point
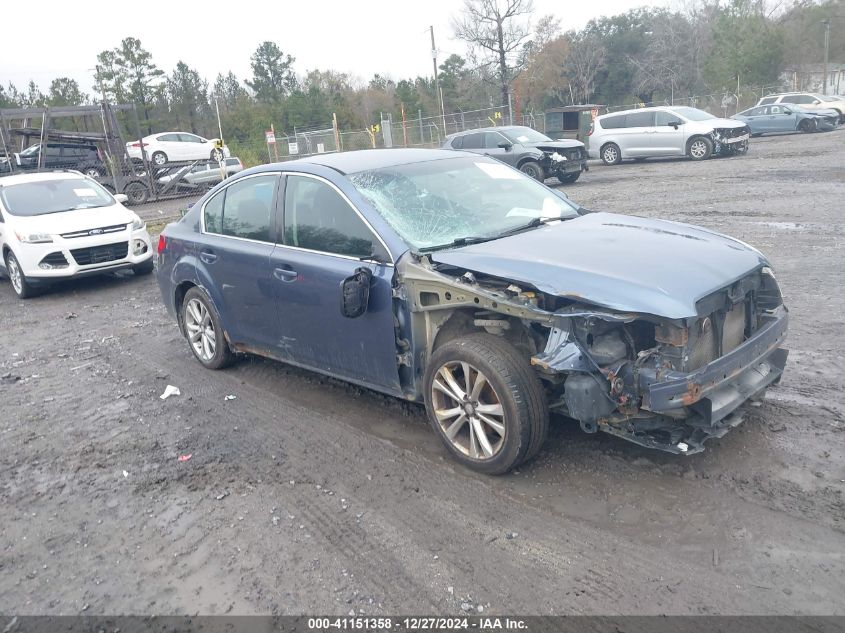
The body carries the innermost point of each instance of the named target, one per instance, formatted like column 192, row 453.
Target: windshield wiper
column 459, row 241
column 533, row 222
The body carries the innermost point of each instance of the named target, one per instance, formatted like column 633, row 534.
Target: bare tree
column 497, row 31
column 585, row 60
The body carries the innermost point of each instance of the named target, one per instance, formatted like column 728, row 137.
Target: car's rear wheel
column 700, row 148
column 808, row 125
column 159, row 158
column 610, row 154
column 136, row 193
column 20, row 284
column 568, row 179
column 534, row 169
column 485, row 403
column 204, row 331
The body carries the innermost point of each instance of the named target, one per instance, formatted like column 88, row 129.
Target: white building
column 810, row 78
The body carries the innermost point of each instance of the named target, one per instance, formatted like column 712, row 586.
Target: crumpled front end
column 731, row 140
column 670, row 384
column 560, row 161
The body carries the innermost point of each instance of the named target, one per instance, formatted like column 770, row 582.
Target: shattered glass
column 434, row 203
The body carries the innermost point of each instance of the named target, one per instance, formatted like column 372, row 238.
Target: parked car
column 57, row 155
column 526, row 149
column 63, row 224
column 205, row 175
column 787, row 118
column 451, row 279
column 664, row 131
column 176, row 146
column 809, row 100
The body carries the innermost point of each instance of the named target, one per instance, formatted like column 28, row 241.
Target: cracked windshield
column 446, row 202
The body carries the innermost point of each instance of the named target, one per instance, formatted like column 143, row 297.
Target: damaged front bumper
column 668, row 410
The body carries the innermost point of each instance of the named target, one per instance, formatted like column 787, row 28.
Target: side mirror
column 674, row 124
column 787, row 111
column 506, row 146
column 122, row 198
column 355, row 293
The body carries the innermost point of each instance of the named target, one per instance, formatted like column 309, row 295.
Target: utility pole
column 826, row 23
column 438, row 91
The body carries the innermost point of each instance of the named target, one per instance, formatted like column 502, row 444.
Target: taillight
column 592, row 128
column 162, row 244
column 138, row 145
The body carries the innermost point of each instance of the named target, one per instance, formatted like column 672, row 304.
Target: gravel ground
column 303, row 494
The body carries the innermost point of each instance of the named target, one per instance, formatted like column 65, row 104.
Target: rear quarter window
column 613, row 122
column 457, row 142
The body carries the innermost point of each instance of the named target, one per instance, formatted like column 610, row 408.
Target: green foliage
column 65, row 92
column 272, row 73
column 747, row 47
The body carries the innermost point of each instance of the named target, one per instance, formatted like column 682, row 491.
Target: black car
column 84, row 157
column 528, row 150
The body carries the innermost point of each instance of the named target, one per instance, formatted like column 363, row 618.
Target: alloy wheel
column 698, row 149
column 200, row 327
column 15, row 274
column 468, row 410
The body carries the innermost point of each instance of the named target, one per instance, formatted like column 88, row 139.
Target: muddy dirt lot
column 303, row 494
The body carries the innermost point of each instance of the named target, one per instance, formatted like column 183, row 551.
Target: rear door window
column 458, row 142
column 243, row 209
column 474, row 141
column 640, row 119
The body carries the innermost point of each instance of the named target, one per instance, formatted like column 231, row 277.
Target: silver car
column 206, row 174
column 676, row 131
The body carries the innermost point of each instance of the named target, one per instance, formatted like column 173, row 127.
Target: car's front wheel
column 700, row 148
column 20, row 284
column 807, row 125
column 534, row 169
column 159, row 158
column 144, row 268
column 610, row 154
column 568, row 179
column 486, row 403
column 204, row 331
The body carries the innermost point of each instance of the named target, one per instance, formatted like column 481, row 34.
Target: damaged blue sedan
column 459, row 282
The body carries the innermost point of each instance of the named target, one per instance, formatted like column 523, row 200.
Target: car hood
column 615, row 261
column 552, row 146
column 76, row 220
column 722, row 123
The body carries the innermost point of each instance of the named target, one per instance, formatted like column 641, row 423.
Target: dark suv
column 529, row 151
column 84, row 157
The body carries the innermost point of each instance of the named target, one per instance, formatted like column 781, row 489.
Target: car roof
column 42, row 176
column 648, row 109
column 498, row 128
column 367, row 159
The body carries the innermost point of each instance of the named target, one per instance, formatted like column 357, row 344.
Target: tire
column 808, row 125
column 22, row 287
column 92, row 171
column 611, row 154
column 700, row 148
column 510, row 386
column 144, row 268
column 217, row 155
column 198, row 315
column 136, row 192
column 159, row 159
column 534, row 169
column 568, row 179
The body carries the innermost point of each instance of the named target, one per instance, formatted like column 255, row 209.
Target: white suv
column 55, row 225
column 676, row 131
column 809, row 100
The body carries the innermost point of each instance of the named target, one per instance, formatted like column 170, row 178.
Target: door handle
column 208, row 257
column 284, row 274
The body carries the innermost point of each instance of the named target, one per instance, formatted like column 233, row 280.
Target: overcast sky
column 360, row 37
